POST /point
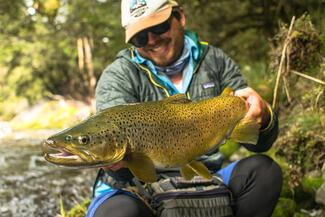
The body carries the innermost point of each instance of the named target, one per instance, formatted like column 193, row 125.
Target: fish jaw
column 74, row 161
column 64, row 159
column 57, row 153
column 69, row 157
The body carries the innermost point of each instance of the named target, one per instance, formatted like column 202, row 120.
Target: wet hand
column 116, row 166
column 257, row 107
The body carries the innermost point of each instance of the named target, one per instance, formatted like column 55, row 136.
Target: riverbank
column 26, row 137
column 30, row 186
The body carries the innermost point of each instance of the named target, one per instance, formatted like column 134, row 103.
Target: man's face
column 166, row 48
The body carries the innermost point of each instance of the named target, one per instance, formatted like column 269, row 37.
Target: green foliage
column 39, row 53
column 244, row 28
column 304, row 122
column 285, row 208
column 39, row 46
column 301, row 142
column 229, row 148
column 300, row 145
column 39, row 59
column 311, row 183
column 79, row 210
column 259, row 78
column 10, row 108
column 300, row 197
column 301, row 215
column 307, row 188
column 303, row 50
column 62, row 209
column 55, row 115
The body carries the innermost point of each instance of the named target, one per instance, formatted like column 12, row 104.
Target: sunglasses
column 141, row 38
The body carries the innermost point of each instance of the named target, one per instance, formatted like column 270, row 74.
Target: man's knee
column 263, row 166
column 123, row 206
column 257, row 169
column 256, row 184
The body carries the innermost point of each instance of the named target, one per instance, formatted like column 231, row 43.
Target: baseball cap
column 138, row 15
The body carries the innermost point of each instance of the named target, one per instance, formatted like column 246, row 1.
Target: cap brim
column 148, row 21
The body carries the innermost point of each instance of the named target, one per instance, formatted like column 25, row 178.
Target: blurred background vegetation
column 60, row 47
column 55, row 50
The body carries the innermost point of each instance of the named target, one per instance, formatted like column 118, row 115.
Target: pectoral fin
column 187, row 172
column 246, row 131
column 142, row 167
column 200, row 169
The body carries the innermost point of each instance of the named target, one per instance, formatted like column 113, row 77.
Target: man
column 165, row 59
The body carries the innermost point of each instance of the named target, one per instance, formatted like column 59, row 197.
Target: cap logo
column 138, row 7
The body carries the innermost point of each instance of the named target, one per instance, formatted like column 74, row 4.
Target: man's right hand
column 116, row 166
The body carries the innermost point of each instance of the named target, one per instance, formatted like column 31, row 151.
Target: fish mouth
column 65, row 157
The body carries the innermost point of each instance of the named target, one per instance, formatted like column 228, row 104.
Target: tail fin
column 246, row 131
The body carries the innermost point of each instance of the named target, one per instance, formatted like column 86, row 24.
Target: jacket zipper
column 196, row 68
column 150, row 75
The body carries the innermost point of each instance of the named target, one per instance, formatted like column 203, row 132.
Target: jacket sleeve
column 114, row 86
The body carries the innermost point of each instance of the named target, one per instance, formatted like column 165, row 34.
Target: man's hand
column 257, row 107
column 115, row 166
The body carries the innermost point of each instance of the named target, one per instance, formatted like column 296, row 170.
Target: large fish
column 173, row 132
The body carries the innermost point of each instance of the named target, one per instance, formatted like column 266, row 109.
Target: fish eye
column 83, row 140
column 68, row 138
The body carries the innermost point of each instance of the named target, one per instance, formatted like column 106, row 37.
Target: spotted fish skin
column 168, row 133
column 173, row 133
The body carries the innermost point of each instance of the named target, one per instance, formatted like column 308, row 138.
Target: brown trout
column 170, row 133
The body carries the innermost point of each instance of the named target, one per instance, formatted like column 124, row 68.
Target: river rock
column 320, row 194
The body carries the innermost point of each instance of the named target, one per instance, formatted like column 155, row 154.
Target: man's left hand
column 257, row 107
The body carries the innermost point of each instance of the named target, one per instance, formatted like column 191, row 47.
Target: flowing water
column 29, row 186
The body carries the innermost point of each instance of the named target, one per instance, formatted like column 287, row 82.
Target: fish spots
column 168, row 131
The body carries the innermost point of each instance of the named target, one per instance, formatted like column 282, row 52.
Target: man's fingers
column 254, row 103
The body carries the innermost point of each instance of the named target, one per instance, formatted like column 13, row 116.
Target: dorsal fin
column 177, row 98
column 228, row 91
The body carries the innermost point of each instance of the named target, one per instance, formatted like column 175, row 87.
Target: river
column 30, row 186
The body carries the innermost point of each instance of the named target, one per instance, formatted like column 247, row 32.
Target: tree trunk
column 90, row 66
column 81, row 63
column 86, row 67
